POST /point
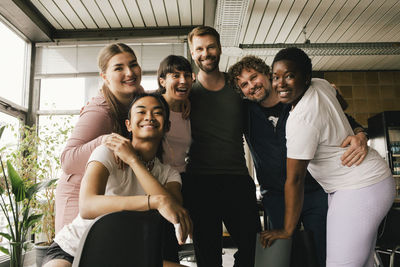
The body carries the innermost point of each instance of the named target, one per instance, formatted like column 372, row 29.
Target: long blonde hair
column 118, row 111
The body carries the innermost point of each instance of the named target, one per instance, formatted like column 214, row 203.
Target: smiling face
column 254, row 85
column 289, row 81
column 147, row 119
column 177, row 85
column 206, row 52
column 123, row 75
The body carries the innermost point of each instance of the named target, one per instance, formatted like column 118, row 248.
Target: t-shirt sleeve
column 105, row 156
column 302, row 139
column 172, row 175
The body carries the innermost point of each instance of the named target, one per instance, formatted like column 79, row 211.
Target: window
column 70, row 93
column 13, row 53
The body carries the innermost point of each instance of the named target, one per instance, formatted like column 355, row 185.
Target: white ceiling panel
column 384, row 21
column 109, row 13
column 301, row 21
column 67, row 10
column 263, row 22
column 338, row 19
column 96, row 14
column 53, row 9
column 392, row 35
column 384, row 25
column 120, row 11
column 46, row 14
column 320, row 63
column 374, row 19
column 185, row 12
column 279, row 20
column 290, row 21
column 197, row 12
column 172, row 12
column 83, row 14
column 159, row 12
column 269, row 16
column 134, row 13
column 147, row 13
column 325, row 20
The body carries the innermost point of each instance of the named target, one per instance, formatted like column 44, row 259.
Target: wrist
column 156, row 201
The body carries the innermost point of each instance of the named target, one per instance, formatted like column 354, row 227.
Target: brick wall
column 369, row 92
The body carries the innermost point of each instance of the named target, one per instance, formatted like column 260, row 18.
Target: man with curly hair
column 265, row 134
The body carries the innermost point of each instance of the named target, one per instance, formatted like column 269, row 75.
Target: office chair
column 388, row 241
column 126, row 238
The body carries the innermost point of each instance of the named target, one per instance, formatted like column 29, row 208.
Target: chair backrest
column 126, row 238
column 389, row 230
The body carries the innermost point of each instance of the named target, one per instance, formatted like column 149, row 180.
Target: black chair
column 388, row 241
column 126, row 238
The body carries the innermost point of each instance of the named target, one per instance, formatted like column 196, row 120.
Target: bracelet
column 148, row 201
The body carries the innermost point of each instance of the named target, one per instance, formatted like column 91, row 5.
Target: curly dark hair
column 246, row 63
column 298, row 56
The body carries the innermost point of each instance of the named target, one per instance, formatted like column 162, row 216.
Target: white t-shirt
column 315, row 129
column 121, row 182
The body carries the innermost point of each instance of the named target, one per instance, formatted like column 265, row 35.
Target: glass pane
column 54, row 132
column 149, row 83
column 9, row 141
column 67, row 93
column 10, row 136
column 12, row 70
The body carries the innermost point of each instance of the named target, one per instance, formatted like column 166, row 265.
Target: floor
column 227, row 258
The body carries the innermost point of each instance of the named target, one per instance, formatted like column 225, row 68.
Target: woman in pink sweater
column 104, row 114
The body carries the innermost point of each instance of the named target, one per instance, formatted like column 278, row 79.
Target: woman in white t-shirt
column 359, row 196
column 143, row 184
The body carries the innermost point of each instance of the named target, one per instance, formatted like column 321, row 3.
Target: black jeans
column 213, row 199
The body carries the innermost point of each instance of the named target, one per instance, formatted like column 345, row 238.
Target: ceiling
column 337, row 34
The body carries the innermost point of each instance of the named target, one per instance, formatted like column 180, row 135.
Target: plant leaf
column 17, row 184
column 32, row 190
column 4, row 250
column 5, row 235
column 34, row 218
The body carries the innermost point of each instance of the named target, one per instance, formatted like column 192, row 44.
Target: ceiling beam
column 120, row 33
column 25, row 18
column 325, row 49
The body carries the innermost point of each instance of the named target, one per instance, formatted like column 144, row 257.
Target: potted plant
column 16, row 196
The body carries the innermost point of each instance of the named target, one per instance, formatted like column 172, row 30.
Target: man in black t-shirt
column 217, row 187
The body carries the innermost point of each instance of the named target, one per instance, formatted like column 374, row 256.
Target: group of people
column 180, row 151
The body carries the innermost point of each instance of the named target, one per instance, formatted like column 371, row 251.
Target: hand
column 176, row 214
column 122, row 148
column 268, row 237
column 357, row 150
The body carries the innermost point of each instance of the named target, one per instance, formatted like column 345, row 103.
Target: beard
column 261, row 98
column 209, row 68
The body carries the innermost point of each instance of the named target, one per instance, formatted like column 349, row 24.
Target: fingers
column 346, row 142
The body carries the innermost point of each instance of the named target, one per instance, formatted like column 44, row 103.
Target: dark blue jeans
column 313, row 217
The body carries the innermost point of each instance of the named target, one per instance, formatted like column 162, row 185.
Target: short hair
column 169, row 65
column 201, row 31
column 298, row 56
column 246, row 63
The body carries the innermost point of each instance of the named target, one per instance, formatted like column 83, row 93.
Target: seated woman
column 144, row 184
column 359, row 196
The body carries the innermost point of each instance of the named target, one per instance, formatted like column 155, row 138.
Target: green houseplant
column 16, row 197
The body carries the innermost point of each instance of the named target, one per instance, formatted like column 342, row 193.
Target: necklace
column 148, row 164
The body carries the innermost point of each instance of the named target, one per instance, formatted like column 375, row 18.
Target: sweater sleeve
column 93, row 123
